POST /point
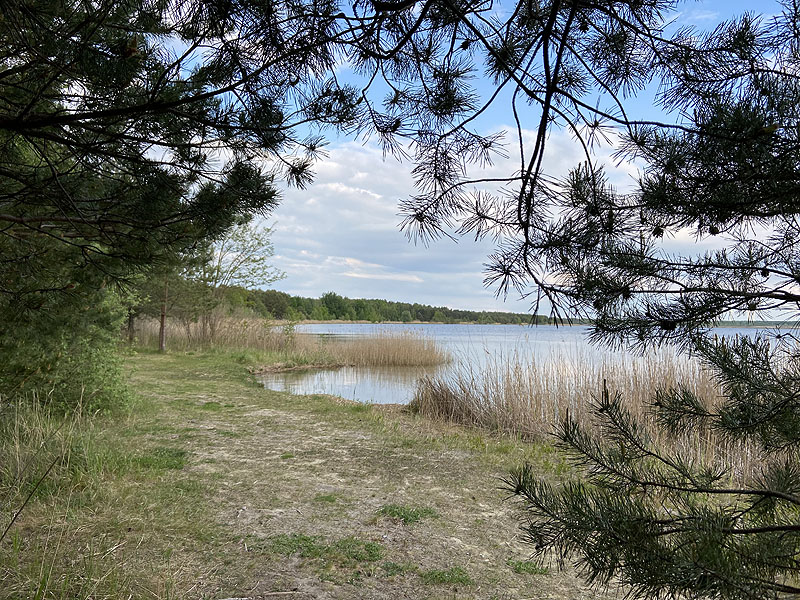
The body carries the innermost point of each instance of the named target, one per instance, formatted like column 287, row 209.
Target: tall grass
column 521, row 396
column 35, row 447
column 47, row 457
column 290, row 348
column 388, row 349
column 229, row 333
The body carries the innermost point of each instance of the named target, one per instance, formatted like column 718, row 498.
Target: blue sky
column 342, row 233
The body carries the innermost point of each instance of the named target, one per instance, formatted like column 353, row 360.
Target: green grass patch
column 212, row 406
column 526, row 567
column 406, row 514
column 451, row 576
column 345, row 552
column 358, row 550
column 329, row 498
column 392, row 568
column 161, row 458
column 297, row 544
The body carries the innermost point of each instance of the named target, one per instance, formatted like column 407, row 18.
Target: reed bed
column 520, row 396
column 229, row 333
column 386, row 348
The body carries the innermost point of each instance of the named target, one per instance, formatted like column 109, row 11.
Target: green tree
column 47, row 341
column 274, row 302
column 241, row 257
column 131, row 132
column 335, row 305
column 320, row 313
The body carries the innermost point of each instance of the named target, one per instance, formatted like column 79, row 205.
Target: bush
column 65, row 352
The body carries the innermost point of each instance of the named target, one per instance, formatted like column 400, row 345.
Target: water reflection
column 379, row 385
column 476, row 348
column 473, row 345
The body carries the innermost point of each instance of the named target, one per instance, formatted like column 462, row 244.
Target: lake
column 475, row 345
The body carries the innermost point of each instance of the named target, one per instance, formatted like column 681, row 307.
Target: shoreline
column 723, row 325
column 256, row 493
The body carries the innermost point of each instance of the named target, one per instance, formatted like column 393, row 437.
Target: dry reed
column 231, row 333
column 402, row 349
column 386, row 348
column 523, row 397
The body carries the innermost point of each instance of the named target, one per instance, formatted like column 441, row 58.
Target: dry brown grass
column 395, row 349
column 386, row 348
column 526, row 398
column 229, row 333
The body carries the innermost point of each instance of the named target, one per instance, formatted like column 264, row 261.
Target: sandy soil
column 299, row 466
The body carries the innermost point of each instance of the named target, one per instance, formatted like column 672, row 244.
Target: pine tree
column 133, row 131
column 130, row 129
column 717, row 158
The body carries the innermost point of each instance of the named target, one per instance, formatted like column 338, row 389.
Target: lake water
column 476, row 345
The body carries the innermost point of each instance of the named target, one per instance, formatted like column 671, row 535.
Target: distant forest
column 273, row 304
column 332, row 306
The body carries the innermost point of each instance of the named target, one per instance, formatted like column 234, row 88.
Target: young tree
column 241, row 258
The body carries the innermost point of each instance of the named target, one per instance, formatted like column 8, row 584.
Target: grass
column 161, row 458
column 160, row 502
column 406, row 514
column 527, row 567
column 93, row 489
column 451, row 576
column 295, row 544
column 344, row 552
column 393, row 569
column 522, row 397
column 281, row 347
column 329, row 498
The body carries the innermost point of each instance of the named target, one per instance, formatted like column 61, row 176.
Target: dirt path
column 317, row 498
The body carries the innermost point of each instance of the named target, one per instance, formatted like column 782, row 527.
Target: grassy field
column 212, row 487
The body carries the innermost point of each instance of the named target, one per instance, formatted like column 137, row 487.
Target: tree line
column 227, row 279
column 332, row 306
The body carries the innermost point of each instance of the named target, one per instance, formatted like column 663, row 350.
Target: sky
column 342, row 233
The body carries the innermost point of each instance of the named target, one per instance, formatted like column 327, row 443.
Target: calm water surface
column 476, row 345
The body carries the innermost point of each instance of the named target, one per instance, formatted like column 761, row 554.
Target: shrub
column 67, row 354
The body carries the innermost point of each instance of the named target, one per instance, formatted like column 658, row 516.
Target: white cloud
column 342, row 235
column 385, row 277
column 698, row 16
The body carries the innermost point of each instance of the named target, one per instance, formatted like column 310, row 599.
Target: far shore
column 723, row 324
